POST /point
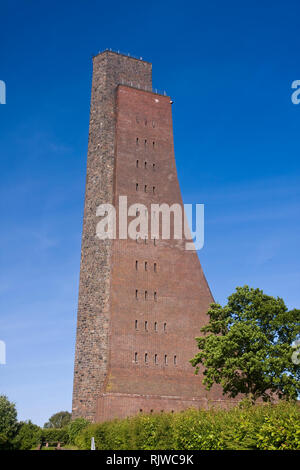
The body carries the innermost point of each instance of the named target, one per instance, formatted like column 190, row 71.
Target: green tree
column 28, row 436
column 247, row 347
column 58, row 420
column 8, row 422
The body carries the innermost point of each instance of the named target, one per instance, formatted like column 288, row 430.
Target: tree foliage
column 58, row 420
column 247, row 346
column 8, row 422
column 28, row 436
column 75, row 427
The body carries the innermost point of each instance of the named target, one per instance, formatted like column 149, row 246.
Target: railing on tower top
column 132, row 84
column 137, row 85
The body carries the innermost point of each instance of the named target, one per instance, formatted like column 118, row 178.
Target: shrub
column 280, row 431
column 150, row 432
column 28, row 436
column 109, row 435
column 193, row 430
column 52, row 435
column 241, row 424
column 83, row 439
column 75, row 427
column 5, row 442
column 246, row 426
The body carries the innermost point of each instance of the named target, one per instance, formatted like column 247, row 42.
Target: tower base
column 121, row 405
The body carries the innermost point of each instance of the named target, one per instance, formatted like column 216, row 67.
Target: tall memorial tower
column 141, row 302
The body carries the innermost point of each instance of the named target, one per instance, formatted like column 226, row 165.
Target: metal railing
column 144, row 88
column 121, row 53
column 133, row 84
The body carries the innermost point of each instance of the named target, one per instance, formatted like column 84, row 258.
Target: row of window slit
column 146, row 326
column 145, row 121
column 145, row 143
column 146, row 266
column 145, row 165
column 145, row 188
column 151, row 411
column 146, row 297
column 155, row 359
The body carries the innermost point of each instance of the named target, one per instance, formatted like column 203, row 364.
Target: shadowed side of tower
column 93, row 318
column 141, row 302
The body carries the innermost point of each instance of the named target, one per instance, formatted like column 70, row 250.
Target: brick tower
column 141, row 302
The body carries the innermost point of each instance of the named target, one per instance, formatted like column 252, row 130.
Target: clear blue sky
column 229, row 68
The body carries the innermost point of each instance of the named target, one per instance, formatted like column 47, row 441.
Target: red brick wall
column 118, row 405
column 182, row 293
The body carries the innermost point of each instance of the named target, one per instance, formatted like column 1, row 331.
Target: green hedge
column 29, row 436
column 75, row 427
column 53, row 435
column 243, row 427
column 265, row 427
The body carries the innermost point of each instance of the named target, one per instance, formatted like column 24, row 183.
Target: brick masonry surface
column 141, row 302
